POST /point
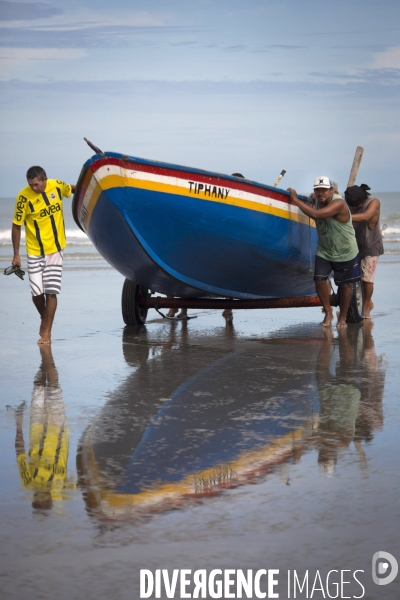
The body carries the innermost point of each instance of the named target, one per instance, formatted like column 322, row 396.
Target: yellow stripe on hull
column 114, row 180
column 117, row 505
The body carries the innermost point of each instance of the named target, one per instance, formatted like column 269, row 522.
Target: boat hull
column 190, row 233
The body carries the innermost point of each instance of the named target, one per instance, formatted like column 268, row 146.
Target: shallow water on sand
column 268, row 444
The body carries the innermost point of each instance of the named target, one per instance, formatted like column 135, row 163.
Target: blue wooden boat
column 191, row 233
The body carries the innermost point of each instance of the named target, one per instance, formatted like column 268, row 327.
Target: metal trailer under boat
column 201, row 238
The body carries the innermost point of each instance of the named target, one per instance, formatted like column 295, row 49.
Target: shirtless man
column 365, row 212
column 337, row 247
column 38, row 206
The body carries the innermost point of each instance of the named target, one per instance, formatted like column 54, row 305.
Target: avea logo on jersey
column 20, row 207
column 46, row 212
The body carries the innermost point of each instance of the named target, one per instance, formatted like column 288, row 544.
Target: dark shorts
column 343, row 272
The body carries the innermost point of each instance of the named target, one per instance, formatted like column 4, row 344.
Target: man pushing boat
column 39, row 207
column 337, row 248
column 365, row 211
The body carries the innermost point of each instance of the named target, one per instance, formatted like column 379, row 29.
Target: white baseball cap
column 322, row 182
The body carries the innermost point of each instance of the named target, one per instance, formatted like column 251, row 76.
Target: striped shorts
column 45, row 273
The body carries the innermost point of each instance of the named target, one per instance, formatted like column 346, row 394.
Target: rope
column 171, row 318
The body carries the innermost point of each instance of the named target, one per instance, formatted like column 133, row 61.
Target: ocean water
column 390, row 216
column 81, row 253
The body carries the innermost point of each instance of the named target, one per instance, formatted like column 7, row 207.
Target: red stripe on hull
column 209, row 179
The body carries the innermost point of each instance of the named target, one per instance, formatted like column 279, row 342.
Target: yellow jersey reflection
column 44, row 469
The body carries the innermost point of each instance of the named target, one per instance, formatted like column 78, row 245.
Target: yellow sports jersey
column 43, row 217
column 46, row 466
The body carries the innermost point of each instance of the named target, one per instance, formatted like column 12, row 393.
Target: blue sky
column 255, row 86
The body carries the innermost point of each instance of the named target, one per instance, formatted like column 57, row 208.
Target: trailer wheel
column 355, row 314
column 132, row 294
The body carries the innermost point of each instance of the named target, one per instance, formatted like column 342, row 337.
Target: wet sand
column 267, row 445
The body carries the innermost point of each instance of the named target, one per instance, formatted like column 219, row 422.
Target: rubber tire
column 132, row 313
column 355, row 314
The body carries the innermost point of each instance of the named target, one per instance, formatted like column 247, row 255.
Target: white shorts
column 47, row 405
column 368, row 268
column 45, row 273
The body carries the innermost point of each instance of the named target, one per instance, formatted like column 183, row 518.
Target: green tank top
column 336, row 241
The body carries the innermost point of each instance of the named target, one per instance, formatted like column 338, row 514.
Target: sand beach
column 268, row 444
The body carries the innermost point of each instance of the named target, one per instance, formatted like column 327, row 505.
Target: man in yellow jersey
column 39, row 207
column 337, row 248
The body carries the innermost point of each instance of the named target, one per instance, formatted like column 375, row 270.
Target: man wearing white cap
column 337, row 248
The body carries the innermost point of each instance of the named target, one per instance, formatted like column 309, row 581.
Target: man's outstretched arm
column 333, row 209
column 371, row 215
column 16, row 240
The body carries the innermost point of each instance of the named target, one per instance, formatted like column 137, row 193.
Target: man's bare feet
column 368, row 325
column 227, row 314
column 340, row 322
column 367, row 310
column 172, row 312
column 44, row 340
column 327, row 322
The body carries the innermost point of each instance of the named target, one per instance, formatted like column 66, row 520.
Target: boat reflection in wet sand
column 200, row 416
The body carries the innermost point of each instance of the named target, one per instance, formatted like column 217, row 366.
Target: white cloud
column 24, row 54
column 389, row 59
column 83, row 18
column 17, row 11
column 13, row 60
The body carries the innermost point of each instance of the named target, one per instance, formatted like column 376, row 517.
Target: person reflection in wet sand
column 348, row 410
column 339, row 400
column 372, row 385
column 44, row 469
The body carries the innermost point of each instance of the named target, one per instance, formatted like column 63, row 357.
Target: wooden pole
column 356, row 165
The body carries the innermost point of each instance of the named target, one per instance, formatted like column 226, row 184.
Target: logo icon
column 384, row 568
